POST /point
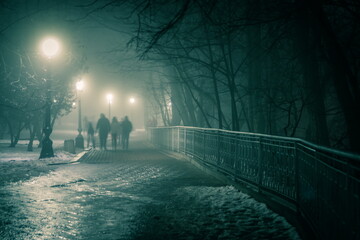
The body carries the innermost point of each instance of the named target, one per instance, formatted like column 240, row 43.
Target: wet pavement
column 141, row 193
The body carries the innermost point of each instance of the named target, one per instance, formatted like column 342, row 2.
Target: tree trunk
column 214, row 80
column 306, row 44
column 345, row 81
column 230, row 81
column 32, row 137
column 11, row 131
column 255, row 73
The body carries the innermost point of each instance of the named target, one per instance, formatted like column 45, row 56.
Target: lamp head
column 109, row 98
column 50, row 47
column 80, row 85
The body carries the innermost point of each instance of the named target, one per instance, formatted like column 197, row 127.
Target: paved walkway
column 136, row 194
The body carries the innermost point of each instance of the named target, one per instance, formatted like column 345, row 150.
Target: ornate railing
column 322, row 184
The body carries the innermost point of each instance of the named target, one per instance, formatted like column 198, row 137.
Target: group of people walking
column 119, row 130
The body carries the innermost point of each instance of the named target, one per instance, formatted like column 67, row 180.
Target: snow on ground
column 19, row 164
column 187, row 211
column 234, row 214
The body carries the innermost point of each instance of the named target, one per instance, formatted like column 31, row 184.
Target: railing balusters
column 322, row 183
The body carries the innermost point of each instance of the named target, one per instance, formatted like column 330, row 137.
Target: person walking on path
column 120, row 130
column 126, row 129
column 103, row 126
column 90, row 135
column 114, row 132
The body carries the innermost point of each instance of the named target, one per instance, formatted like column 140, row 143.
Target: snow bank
column 17, row 164
column 242, row 216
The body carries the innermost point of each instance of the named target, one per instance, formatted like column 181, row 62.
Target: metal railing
column 322, row 183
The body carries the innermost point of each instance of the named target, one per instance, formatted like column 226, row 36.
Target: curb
column 79, row 156
column 76, row 159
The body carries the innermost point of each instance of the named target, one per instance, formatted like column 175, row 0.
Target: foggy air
column 100, row 101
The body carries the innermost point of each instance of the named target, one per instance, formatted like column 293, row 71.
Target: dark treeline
column 277, row 67
column 281, row 67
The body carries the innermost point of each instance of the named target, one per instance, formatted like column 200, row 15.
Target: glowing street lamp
column 109, row 97
column 132, row 102
column 50, row 47
column 79, row 140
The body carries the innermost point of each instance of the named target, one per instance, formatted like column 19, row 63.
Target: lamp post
column 109, row 98
column 50, row 48
column 79, row 140
column 132, row 102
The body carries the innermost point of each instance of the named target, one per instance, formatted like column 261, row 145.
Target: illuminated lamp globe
column 109, row 98
column 80, row 85
column 50, row 47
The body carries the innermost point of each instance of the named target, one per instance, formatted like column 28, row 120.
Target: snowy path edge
column 273, row 202
column 76, row 159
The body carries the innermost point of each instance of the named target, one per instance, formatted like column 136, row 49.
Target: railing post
column 185, row 139
column 172, row 139
column 204, row 150
column 178, row 140
column 261, row 167
column 218, row 148
column 193, row 144
column 236, row 157
column 297, row 178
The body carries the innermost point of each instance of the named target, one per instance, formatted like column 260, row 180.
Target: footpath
column 140, row 193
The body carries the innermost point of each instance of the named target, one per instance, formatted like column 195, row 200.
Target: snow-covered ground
column 135, row 198
column 20, row 153
column 18, row 164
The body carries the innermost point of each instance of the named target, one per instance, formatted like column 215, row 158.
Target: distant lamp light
column 132, row 100
column 74, row 104
column 50, row 47
column 55, row 101
column 80, row 85
column 109, row 98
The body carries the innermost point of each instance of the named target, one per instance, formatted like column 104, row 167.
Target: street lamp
column 132, row 102
column 109, row 98
column 79, row 140
column 50, row 48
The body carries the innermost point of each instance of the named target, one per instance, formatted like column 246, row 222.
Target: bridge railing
column 323, row 184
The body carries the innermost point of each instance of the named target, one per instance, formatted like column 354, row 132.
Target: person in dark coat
column 126, row 129
column 90, row 135
column 103, row 126
column 114, row 132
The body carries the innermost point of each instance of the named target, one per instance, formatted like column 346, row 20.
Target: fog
column 271, row 67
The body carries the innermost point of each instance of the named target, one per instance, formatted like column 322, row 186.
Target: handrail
column 313, row 145
column 323, row 183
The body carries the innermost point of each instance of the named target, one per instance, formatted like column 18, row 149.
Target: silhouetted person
column 120, row 130
column 126, row 129
column 103, row 126
column 90, row 135
column 114, row 132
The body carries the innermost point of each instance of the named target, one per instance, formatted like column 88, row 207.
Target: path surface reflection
column 139, row 194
